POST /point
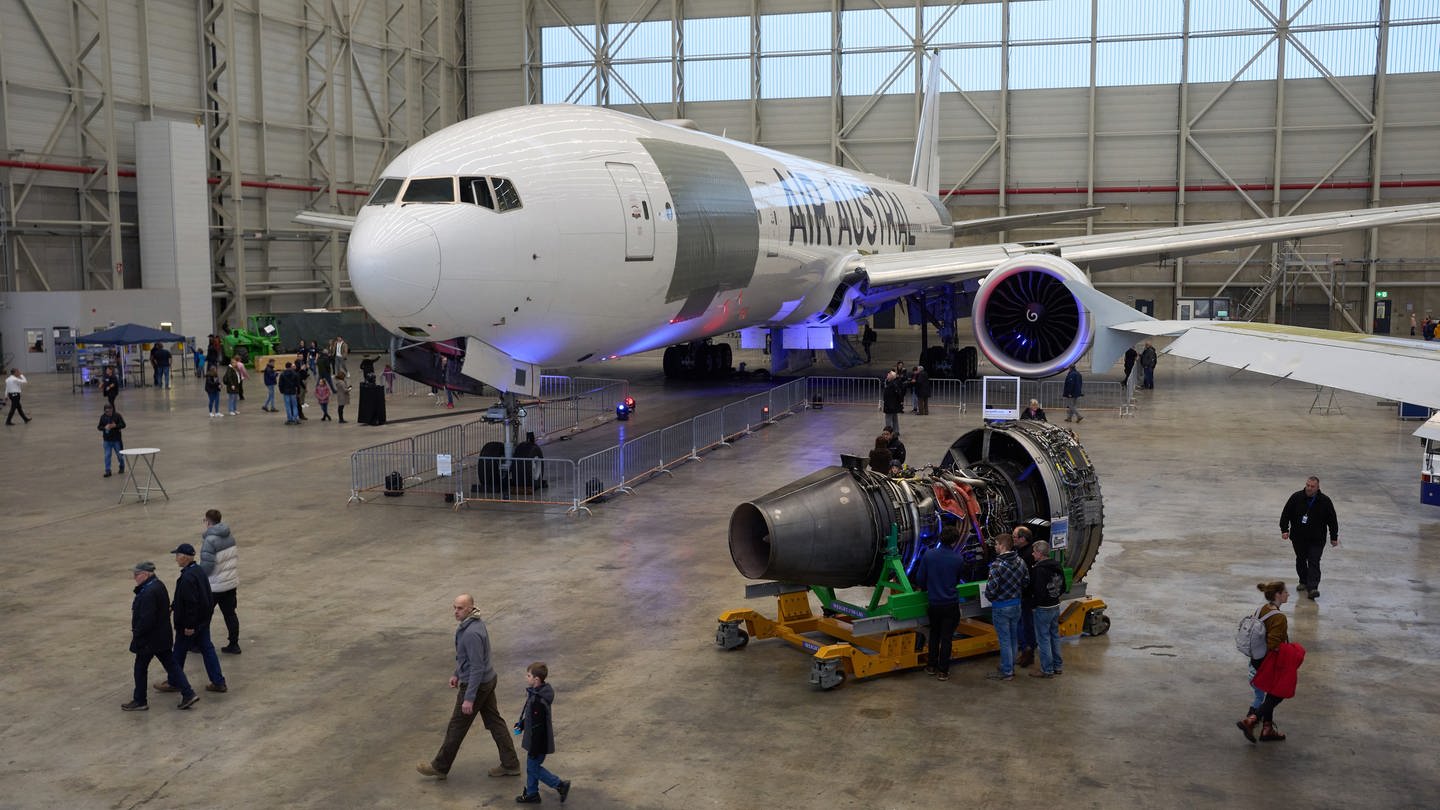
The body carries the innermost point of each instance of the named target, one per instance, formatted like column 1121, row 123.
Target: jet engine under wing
column 1105, row 251
column 340, row 222
column 1406, row 370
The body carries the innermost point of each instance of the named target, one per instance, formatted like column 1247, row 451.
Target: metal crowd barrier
column 845, row 390
column 966, row 394
column 549, row 481
column 600, row 474
column 677, row 444
column 416, row 473
column 708, row 430
column 561, row 481
column 641, row 457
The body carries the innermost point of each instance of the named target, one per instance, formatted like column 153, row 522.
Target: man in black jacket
column 194, row 605
column 289, row 385
column 150, row 638
column 111, row 423
column 1304, row 521
column 1047, row 583
column 892, row 396
column 921, row 381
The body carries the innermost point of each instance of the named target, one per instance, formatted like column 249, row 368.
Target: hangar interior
column 1163, row 113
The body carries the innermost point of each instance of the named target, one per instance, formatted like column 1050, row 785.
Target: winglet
column 925, row 172
column 1110, row 343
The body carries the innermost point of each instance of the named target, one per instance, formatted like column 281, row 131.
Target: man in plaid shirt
column 1008, row 579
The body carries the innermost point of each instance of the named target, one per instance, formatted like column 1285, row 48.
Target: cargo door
column 635, row 205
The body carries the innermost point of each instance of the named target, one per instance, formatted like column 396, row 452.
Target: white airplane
column 556, row 235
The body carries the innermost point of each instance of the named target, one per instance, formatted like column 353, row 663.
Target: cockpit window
column 506, row 197
column 476, row 191
column 386, row 192
column 430, row 190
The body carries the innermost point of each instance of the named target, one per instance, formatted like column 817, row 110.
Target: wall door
column 639, row 216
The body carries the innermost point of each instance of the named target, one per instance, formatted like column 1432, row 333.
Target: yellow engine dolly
column 869, row 646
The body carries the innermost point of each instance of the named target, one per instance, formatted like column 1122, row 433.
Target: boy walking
column 539, row 739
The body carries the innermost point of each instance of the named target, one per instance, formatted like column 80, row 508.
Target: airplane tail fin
column 1111, row 318
column 925, row 173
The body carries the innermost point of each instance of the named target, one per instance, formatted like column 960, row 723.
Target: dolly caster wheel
column 1096, row 623
column 729, row 636
column 827, row 674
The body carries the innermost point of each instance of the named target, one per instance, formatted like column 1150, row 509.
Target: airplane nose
column 394, row 264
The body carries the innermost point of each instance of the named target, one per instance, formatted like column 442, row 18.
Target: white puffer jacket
column 220, row 558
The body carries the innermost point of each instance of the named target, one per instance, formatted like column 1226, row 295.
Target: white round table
column 132, row 458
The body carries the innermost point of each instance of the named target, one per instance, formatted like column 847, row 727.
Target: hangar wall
column 302, row 102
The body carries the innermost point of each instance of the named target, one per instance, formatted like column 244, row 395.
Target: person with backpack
column 1272, row 672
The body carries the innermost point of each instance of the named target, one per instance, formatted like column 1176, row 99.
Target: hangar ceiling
column 1164, row 112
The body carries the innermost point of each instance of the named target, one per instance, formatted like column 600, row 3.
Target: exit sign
column 1382, row 294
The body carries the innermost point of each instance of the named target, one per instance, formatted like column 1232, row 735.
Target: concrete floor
column 347, row 625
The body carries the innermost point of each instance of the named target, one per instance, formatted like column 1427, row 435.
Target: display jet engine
column 830, row 528
column 846, row 526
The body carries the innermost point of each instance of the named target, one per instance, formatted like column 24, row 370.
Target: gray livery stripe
column 717, row 233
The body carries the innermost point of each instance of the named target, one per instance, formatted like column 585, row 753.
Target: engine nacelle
column 1026, row 322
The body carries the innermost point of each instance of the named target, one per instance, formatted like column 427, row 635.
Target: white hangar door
column 635, row 205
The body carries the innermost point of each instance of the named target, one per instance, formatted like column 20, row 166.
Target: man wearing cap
column 193, row 606
column 150, row 638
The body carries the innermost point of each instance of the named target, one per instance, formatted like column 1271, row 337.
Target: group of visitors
column 208, row 580
column 897, row 383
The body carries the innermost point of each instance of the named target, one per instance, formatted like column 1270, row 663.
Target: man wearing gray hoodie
column 221, row 561
column 475, row 679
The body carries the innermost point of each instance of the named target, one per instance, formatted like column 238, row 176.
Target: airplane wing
column 1106, row 251
column 1406, row 370
column 993, row 224
column 339, row 222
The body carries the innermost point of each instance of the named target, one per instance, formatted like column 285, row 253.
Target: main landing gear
column 698, row 360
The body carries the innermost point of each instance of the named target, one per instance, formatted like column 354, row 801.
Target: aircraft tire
column 490, row 468
column 725, row 357
column 933, row 359
column 671, row 362
column 526, row 473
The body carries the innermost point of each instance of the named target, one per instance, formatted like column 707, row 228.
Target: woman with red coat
column 1274, row 676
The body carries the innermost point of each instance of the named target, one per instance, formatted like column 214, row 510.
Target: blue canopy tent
column 129, row 334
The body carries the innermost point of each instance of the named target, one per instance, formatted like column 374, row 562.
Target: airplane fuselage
column 560, row 235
